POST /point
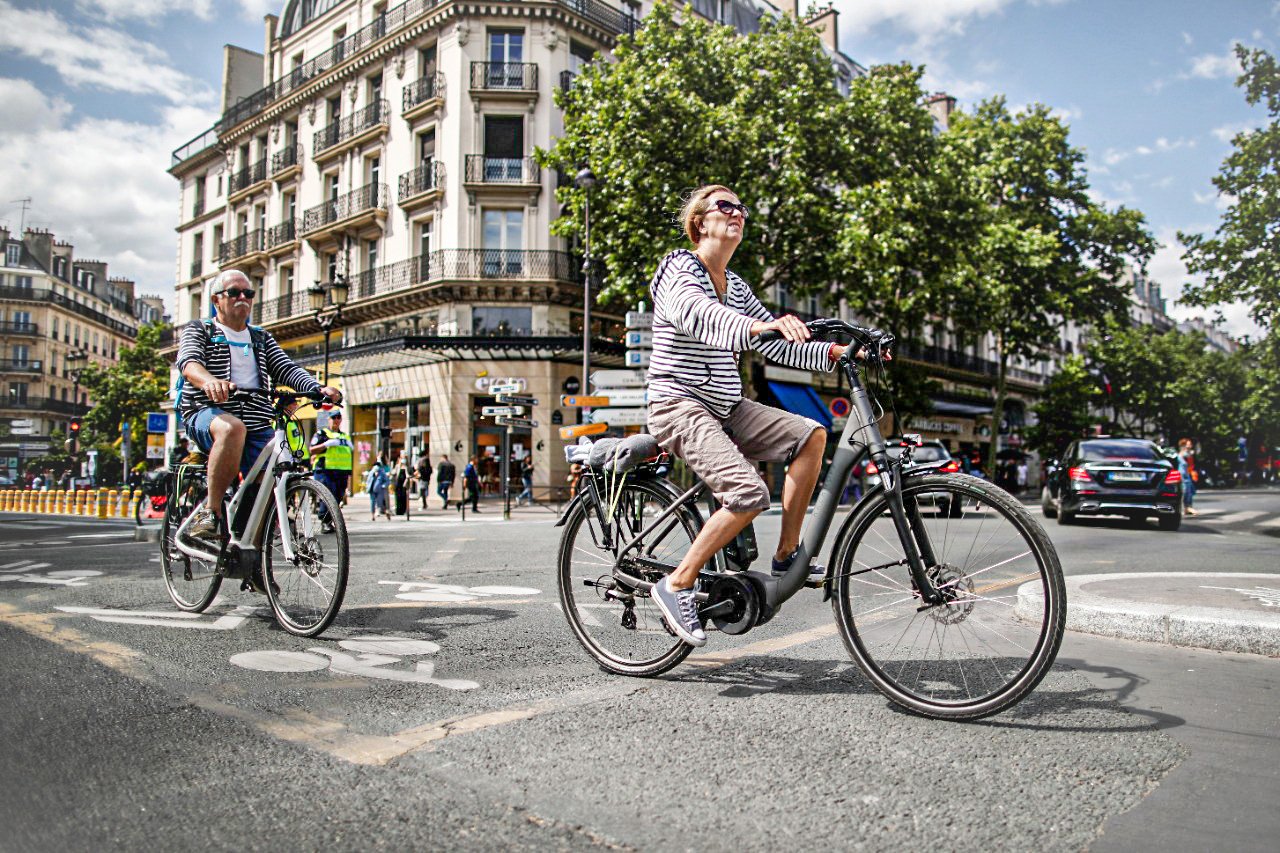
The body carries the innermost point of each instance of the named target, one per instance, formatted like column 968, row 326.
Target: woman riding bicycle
column 216, row 358
column 704, row 314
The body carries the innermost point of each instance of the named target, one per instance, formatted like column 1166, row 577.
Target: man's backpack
column 257, row 342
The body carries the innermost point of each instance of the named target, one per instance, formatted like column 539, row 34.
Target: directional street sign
column 640, row 339
column 576, row 401
column 502, row 411
column 516, row 422
column 507, row 387
column 620, row 417
column 516, row 400
column 618, row 379
column 638, row 357
column 639, row 319
column 627, row 397
column 571, row 432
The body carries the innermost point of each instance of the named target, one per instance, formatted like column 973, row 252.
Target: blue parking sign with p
column 157, row 422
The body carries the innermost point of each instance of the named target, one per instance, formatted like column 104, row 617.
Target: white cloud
column 101, row 184
column 1227, row 132
column 1211, row 66
column 1167, row 268
column 26, row 109
column 97, row 57
column 148, row 10
column 1187, row 39
column 1162, row 145
column 926, row 21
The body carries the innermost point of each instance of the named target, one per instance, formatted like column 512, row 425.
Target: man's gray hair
column 224, row 278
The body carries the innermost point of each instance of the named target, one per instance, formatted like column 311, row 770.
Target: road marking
column 172, row 619
column 1268, row 596
column 367, row 664
column 1235, row 517
column 7, row 566
column 422, row 591
column 100, row 535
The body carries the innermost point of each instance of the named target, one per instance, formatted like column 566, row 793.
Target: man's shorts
column 723, row 453
column 254, row 440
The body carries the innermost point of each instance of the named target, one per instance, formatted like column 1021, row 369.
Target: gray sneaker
column 680, row 610
column 204, row 526
column 781, row 567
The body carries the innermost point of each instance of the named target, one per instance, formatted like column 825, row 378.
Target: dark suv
column 1114, row 476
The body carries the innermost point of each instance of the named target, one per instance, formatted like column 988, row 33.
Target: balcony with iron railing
column 39, row 404
column 30, row 294
column 21, row 365
column 370, row 199
column 282, row 235
column 206, row 140
column 482, row 169
column 246, row 179
column 350, row 130
column 504, row 79
column 247, row 244
column 283, row 307
column 9, row 327
column 286, row 163
column 422, row 185
column 197, row 206
column 422, row 95
column 612, row 21
column 197, row 269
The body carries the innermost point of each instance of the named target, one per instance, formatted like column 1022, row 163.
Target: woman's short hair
column 695, row 208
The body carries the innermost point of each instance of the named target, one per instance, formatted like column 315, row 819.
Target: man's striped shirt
column 197, row 345
column 696, row 336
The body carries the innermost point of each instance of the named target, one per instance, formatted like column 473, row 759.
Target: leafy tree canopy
column 126, row 390
column 1063, row 412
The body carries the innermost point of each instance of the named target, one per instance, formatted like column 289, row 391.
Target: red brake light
column 950, row 467
column 872, row 469
column 1174, row 476
column 1079, row 474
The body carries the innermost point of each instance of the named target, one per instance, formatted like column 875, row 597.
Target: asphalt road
column 486, row 726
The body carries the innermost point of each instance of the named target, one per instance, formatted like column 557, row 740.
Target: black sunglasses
column 234, row 292
column 728, row 207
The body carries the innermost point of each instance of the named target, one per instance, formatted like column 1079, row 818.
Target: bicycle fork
column 911, row 532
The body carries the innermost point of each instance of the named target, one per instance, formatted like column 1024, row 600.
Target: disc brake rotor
column 956, row 589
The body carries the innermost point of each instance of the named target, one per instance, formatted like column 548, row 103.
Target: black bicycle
column 946, row 592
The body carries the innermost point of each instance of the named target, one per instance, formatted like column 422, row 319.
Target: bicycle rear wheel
column 620, row 626
column 998, row 631
column 192, row 582
column 306, row 593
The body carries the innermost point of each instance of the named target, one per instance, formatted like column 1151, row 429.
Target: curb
column 1216, row 628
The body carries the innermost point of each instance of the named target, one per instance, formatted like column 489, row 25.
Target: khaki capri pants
column 723, row 452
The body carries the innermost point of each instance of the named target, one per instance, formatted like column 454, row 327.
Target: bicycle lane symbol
column 28, row 571
column 440, row 592
column 372, row 659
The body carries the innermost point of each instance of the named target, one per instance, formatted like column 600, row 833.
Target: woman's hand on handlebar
column 791, row 328
column 218, row 390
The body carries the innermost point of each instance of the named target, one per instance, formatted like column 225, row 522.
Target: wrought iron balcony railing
column 422, row 89
column 283, row 307
column 345, row 128
column 566, row 80
column 40, row 404
column 9, row 327
column 248, row 176
column 428, row 176
column 285, row 158
column 502, row 170
column 368, row 197
column 197, row 207
column 285, row 232
column 505, row 76
column 245, row 244
column 21, row 365
column 30, row 294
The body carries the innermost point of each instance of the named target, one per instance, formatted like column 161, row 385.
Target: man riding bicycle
column 216, row 358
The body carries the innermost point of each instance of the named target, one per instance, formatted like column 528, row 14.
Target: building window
column 54, row 336
column 286, row 281
column 17, row 393
column 502, row 241
column 290, row 205
column 427, row 146
column 371, row 254
column 13, row 254
column 21, row 354
column 424, row 237
column 506, row 46
column 375, row 89
column 374, row 170
column 580, row 56
column 60, row 268
column 490, row 321
column 503, row 148
column 427, row 61
column 24, row 281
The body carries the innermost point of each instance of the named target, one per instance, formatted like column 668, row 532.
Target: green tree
column 1063, row 412
column 1044, row 251
column 135, row 384
column 1242, row 259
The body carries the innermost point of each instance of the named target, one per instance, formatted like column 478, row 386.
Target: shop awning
column 967, row 410
column 801, row 400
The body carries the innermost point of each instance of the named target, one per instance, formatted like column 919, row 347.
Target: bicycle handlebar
column 242, row 395
column 875, row 341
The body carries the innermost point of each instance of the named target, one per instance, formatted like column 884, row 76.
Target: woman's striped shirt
column 197, row 345
column 696, row 336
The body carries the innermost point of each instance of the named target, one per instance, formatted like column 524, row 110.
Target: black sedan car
column 1114, row 476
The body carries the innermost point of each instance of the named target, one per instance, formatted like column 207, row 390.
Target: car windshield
column 922, row 454
column 1111, row 451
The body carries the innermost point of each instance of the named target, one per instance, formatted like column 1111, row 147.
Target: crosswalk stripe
column 1234, row 517
column 18, row 564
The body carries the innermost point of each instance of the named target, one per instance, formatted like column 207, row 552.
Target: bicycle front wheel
column 997, row 632
column 306, row 592
column 618, row 625
column 192, row 582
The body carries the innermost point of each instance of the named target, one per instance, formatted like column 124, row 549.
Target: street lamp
column 585, row 180
column 76, row 355
column 326, row 304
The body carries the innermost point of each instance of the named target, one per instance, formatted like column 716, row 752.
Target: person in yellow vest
column 333, row 446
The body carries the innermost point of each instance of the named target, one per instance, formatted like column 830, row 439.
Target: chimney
column 825, row 24
column 941, row 106
column 787, row 7
column 40, row 245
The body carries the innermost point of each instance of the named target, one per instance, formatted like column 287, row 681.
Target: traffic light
column 72, row 443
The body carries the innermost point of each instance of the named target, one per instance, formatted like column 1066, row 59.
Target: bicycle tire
column 290, row 587
column 646, row 648
column 192, row 583
column 1000, row 646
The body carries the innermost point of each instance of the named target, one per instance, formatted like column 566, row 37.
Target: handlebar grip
column 769, row 335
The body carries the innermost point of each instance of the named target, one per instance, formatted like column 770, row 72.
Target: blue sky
column 96, row 93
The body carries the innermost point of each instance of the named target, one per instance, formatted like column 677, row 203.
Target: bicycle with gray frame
column 287, row 536
column 946, row 592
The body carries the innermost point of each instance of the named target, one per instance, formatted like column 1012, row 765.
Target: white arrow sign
column 626, row 396
column 619, row 417
column 502, row 411
column 514, row 386
column 618, row 379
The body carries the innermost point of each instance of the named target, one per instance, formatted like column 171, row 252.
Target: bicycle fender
column 564, row 516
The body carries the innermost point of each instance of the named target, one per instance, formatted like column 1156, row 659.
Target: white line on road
column 100, row 535
column 1234, row 517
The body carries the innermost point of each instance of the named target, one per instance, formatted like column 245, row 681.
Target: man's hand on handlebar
column 218, row 390
column 791, row 328
column 334, row 395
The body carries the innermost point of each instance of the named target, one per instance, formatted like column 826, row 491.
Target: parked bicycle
column 954, row 615
column 280, row 542
column 155, row 488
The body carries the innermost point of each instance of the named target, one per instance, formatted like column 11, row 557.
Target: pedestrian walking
column 471, row 483
column 526, row 480
column 1187, row 469
column 1242, row 461
column 376, row 482
column 400, row 486
column 423, row 476
column 445, row 473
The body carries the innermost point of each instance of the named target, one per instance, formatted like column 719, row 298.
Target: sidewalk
column 1224, row 611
